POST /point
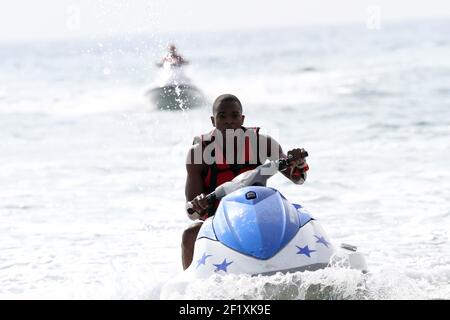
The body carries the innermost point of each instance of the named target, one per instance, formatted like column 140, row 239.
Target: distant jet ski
column 175, row 91
column 176, row 97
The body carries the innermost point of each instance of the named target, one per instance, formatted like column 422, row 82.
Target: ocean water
column 92, row 177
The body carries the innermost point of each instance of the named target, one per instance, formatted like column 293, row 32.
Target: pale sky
column 47, row 19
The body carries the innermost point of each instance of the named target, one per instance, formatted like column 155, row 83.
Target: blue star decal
column 203, row 259
column 223, row 266
column 305, row 250
column 322, row 241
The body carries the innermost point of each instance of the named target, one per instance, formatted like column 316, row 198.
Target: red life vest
column 220, row 172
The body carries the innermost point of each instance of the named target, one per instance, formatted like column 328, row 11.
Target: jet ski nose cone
column 274, row 222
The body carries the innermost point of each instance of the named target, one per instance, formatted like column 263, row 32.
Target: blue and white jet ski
column 257, row 231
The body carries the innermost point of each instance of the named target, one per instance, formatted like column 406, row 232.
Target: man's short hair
column 225, row 98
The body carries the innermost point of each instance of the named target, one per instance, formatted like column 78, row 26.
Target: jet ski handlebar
column 236, row 183
column 210, row 199
column 283, row 163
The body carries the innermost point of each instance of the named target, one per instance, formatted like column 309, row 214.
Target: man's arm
column 194, row 189
column 194, row 180
column 296, row 172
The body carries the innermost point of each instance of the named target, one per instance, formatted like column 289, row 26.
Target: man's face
column 228, row 115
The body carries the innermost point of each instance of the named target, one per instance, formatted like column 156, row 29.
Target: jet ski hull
column 302, row 253
column 176, row 97
column 256, row 231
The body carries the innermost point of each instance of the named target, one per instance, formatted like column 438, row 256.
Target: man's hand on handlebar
column 200, row 204
column 297, row 154
column 297, row 165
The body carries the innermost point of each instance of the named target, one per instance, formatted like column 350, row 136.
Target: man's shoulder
column 204, row 138
column 197, row 141
column 269, row 138
column 195, row 147
column 266, row 137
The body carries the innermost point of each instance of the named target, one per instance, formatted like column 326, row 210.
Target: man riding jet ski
column 247, row 228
